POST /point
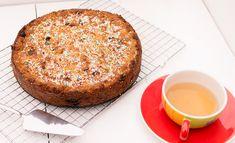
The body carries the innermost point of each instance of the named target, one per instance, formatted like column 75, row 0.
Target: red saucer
column 222, row 130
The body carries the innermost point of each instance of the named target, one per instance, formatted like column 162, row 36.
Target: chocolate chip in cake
column 135, row 37
column 120, row 42
column 43, row 65
column 78, row 13
column 81, row 22
column 122, row 77
column 66, row 23
column 118, row 47
column 12, row 47
column 22, row 34
column 31, row 80
column 74, row 102
column 31, row 52
column 53, row 49
column 110, row 39
column 82, row 40
column 70, row 24
column 67, row 78
column 86, row 69
column 95, row 73
column 48, row 38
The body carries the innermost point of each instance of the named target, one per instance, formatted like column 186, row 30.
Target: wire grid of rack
column 158, row 47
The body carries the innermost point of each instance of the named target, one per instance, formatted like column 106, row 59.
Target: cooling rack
column 158, row 47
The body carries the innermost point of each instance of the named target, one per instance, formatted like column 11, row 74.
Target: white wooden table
column 187, row 20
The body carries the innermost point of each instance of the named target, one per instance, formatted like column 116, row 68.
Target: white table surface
column 223, row 13
column 187, row 20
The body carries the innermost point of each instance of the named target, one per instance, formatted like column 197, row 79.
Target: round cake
column 76, row 57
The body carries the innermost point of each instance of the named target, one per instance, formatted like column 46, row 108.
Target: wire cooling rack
column 158, row 47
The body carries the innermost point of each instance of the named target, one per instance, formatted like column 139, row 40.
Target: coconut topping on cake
column 79, row 48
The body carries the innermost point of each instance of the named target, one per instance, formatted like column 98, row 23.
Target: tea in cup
column 192, row 99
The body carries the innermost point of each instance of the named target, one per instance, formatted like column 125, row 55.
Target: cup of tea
column 192, row 99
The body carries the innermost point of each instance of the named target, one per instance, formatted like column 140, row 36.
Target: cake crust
column 76, row 57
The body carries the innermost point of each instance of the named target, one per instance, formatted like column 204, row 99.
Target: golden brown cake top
column 76, row 48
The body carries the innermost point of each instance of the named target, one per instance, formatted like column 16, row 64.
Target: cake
column 76, row 57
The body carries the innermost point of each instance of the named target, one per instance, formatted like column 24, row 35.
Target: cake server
column 40, row 121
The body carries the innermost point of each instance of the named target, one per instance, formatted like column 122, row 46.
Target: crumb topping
column 81, row 48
